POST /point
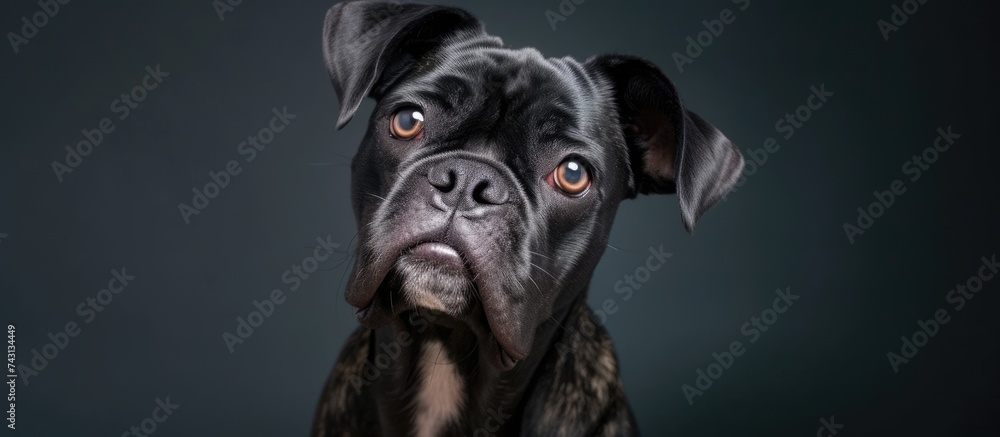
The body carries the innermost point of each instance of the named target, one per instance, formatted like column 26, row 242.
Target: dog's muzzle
column 451, row 237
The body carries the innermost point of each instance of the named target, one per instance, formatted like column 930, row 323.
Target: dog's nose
column 466, row 184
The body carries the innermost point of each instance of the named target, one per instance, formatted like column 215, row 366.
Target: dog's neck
column 442, row 379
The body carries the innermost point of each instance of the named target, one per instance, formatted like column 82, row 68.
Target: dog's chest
column 440, row 394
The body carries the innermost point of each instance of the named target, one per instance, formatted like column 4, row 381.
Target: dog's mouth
column 435, row 277
column 439, row 254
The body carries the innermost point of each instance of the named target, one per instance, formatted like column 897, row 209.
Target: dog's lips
column 365, row 282
column 512, row 336
column 504, row 358
column 363, row 289
column 438, row 253
column 362, row 293
column 509, row 342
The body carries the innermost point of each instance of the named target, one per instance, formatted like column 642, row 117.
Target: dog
column 484, row 192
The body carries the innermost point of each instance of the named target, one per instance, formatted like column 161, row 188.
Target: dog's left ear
column 369, row 45
column 672, row 149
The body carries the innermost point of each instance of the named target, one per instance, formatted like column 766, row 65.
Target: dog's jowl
column 484, row 191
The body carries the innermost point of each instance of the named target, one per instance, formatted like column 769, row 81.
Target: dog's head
column 489, row 177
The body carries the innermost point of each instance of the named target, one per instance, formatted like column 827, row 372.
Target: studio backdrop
column 176, row 227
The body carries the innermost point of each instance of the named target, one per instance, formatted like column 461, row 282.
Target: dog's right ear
column 368, row 46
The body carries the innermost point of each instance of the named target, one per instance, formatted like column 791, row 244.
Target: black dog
column 484, row 192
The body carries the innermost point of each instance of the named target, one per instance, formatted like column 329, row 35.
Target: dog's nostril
column 486, row 193
column 479, row 192
column 466, row 185
column 444, row 181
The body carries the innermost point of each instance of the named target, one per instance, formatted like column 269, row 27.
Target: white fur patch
column 440, row 398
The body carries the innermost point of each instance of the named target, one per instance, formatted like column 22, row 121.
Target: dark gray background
column 826, row 356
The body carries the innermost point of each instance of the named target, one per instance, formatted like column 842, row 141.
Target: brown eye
column 572, row 177
column 407, row 123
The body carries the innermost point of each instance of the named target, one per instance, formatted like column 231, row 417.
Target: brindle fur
column 577, row 390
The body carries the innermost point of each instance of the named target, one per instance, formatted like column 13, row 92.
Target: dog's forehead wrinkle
column 513, row 66
column 518, row 88
column 468, row 41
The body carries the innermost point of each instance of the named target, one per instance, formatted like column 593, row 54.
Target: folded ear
column 673, row 150
column 369, row 45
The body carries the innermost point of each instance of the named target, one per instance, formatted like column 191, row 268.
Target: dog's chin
column 430, row 276
column 428, row 284
column 436, row 284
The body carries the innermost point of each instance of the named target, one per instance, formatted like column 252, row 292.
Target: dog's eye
column 407, row 123
column 572, row 177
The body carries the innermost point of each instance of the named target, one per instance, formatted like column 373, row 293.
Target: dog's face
column 489, row 177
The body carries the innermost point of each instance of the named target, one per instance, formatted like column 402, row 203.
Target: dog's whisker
column 376, row 196
column 541, row 255
column 337, row 266
column 391, row 308
column 537, row 288
column 437, row 359
column 622, row 250
column 558, row 324
column 543, row 271
column 351, row 255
